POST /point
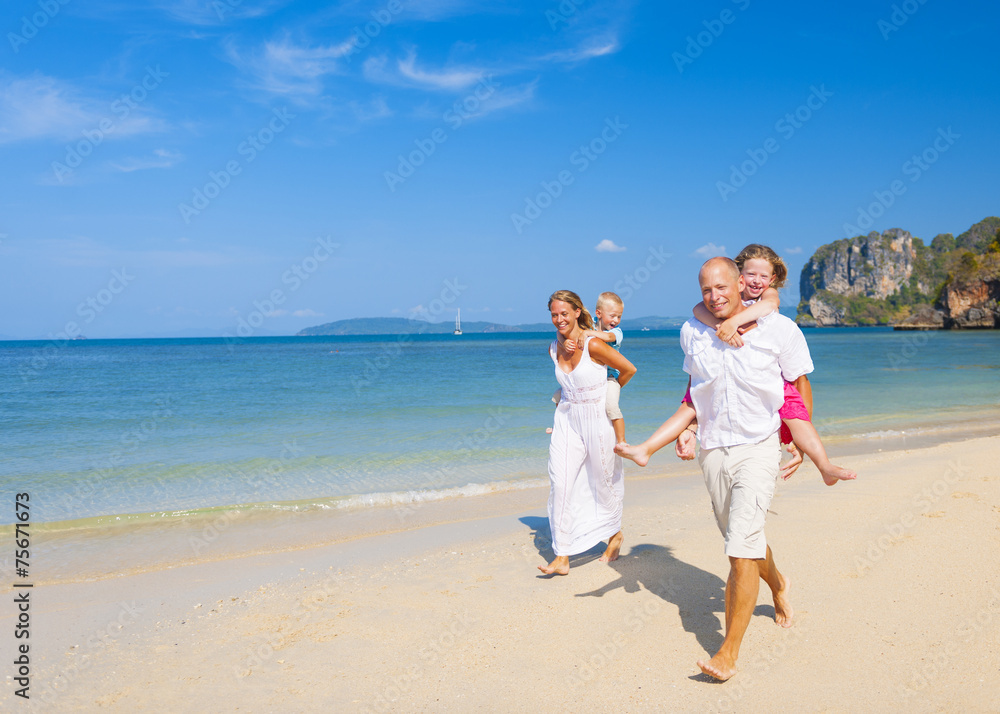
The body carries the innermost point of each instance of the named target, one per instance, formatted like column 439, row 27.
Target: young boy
column 609, row 314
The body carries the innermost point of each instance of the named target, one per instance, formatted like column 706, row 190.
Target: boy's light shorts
column 614, row 391
column 740, row 482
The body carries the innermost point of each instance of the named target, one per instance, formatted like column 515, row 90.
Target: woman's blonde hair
column 756, row 251
column 585, row 320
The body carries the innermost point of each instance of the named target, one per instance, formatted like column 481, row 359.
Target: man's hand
column 569, row 346
column 684, row 448
column 793, row 464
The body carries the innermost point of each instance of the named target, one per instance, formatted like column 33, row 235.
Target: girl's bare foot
column 559, row 566
column 833, row 474
column 614, row 547
column 634, row 453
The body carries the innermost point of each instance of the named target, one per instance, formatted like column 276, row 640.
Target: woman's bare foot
column 718, row 667
column 559, row 566
column 833, row 474
column 614, row 547
column 783, row 612
column 634, row 453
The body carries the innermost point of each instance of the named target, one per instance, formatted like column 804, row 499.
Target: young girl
column 763, row 273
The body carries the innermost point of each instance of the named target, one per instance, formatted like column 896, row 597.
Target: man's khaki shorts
column 740, row 481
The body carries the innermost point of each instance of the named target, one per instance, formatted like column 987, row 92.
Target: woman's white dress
column 587, row 478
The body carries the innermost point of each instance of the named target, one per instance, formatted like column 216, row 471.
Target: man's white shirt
column 737, row 392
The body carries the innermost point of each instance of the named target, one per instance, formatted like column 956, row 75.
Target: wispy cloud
column 794, row 251
column 407, row 73
column 592, row 48
column 40, row 107
column 308, row 312
column 710, row 250
column 371, row 110
column 83, row 251
column 217, row 12
column 289, row 69
column 608, row 246
column 161, row 159
column 445, row 80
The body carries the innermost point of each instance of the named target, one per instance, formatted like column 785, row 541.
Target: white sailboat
column 458, row 322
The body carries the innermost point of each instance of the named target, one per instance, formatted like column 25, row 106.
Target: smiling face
column 721, row 285
column 609, row 314
column 564, row 317
column 758, row 275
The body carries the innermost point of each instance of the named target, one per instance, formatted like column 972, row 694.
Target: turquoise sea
column 98, row 429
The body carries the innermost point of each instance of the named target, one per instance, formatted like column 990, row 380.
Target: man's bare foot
column 783, row 612
column 834, row 473
column 718, row 667
column 559, row 566
column 633, row 453
column 614, row 546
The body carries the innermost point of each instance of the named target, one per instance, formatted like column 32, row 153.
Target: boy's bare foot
column 719, row 667
column 559, row 566
column 783, row 612
column 634, row 453
column 834, row 473
column 614, row 547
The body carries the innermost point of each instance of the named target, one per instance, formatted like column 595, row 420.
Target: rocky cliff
column 973, row 300
column 871, row 267
column 894, row 278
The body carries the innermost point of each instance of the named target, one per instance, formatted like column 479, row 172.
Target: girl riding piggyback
column 763, row 273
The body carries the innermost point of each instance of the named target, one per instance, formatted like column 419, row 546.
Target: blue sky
column 188, row 167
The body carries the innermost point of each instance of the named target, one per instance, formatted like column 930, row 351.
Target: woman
column 586, row 477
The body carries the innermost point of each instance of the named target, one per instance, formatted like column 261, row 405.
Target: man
column 736, row 394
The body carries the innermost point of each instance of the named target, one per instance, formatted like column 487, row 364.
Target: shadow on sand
column 700, row 596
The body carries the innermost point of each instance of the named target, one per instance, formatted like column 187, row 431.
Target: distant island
column 895, row 279
column 403, row 326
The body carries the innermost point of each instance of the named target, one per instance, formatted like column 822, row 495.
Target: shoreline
column 130, row 544
column 444, row 617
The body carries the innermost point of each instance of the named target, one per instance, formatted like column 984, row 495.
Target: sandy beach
column 895, row 589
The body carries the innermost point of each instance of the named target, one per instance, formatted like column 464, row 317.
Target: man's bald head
column 721, row 283
column 720, row 261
